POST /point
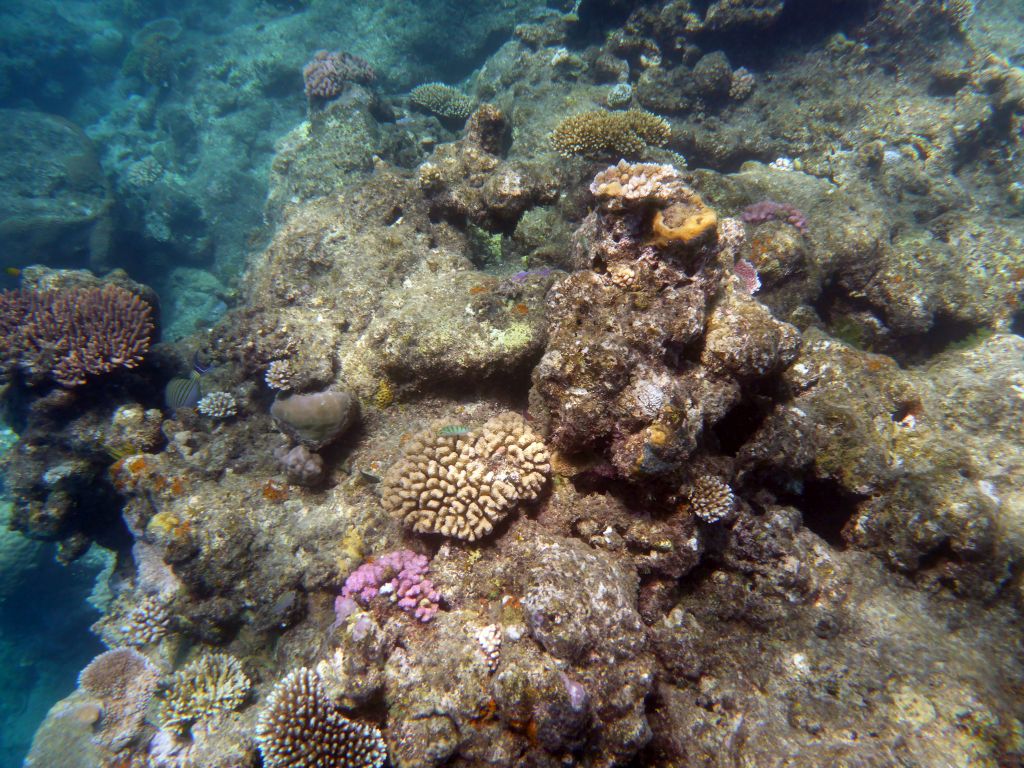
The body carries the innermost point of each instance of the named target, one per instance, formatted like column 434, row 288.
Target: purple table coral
column 402, row 575
column 769, row 210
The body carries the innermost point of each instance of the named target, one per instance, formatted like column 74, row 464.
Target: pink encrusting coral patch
column 401, row 575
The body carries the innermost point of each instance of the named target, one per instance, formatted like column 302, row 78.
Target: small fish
column 12, row 271
column 521, row 277
column 184, row 392
column 453, row 430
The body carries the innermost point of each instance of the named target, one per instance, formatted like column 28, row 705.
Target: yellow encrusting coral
column 685, row 222
column 601, row 132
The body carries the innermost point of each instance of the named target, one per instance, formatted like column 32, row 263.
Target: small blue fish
column 184, row 392
column 453, row 430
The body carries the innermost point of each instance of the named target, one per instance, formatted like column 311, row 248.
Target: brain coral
column 600, row 132
column 203, row 689
column 461, row 485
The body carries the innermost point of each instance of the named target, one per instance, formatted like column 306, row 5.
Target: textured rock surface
column 55, row 204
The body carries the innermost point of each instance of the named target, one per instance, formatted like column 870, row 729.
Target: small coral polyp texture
column 462, row 485
column 300, row 728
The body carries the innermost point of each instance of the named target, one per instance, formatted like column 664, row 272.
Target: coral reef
column 731, row 481
column 463, row 485
column 300, row 727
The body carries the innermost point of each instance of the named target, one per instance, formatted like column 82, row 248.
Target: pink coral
column 769, row 210
column 329, row 71
column 402, row 575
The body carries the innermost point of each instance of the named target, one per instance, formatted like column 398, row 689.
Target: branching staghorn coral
column 74, row 333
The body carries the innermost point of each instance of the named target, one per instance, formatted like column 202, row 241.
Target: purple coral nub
column 328, row 72
column 769, row 210
column 402, row 575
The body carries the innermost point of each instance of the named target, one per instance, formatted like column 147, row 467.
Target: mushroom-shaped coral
column 123, row 680
column 203, row 689
column 300, row 728
column 627, row 184
column 461, row 485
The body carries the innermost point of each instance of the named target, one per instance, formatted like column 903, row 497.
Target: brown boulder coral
column 462, row 485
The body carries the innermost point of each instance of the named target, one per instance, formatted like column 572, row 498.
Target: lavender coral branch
column 769, row 210
column 402, row 575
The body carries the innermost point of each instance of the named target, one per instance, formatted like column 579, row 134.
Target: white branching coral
column 711, row 499
column 218, row 405
column 145, row 623
column 462, row 485
column 300, row 728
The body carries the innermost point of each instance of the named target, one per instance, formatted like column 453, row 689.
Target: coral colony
column 475, row 426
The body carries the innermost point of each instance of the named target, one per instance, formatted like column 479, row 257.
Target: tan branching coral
column 203, row 689
column 300, row 728
column 74, row 333
column 711, row 499
column 123, row 681
column 461, row 485
column 441, row 100
column 625, row 184
column 601, row 132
